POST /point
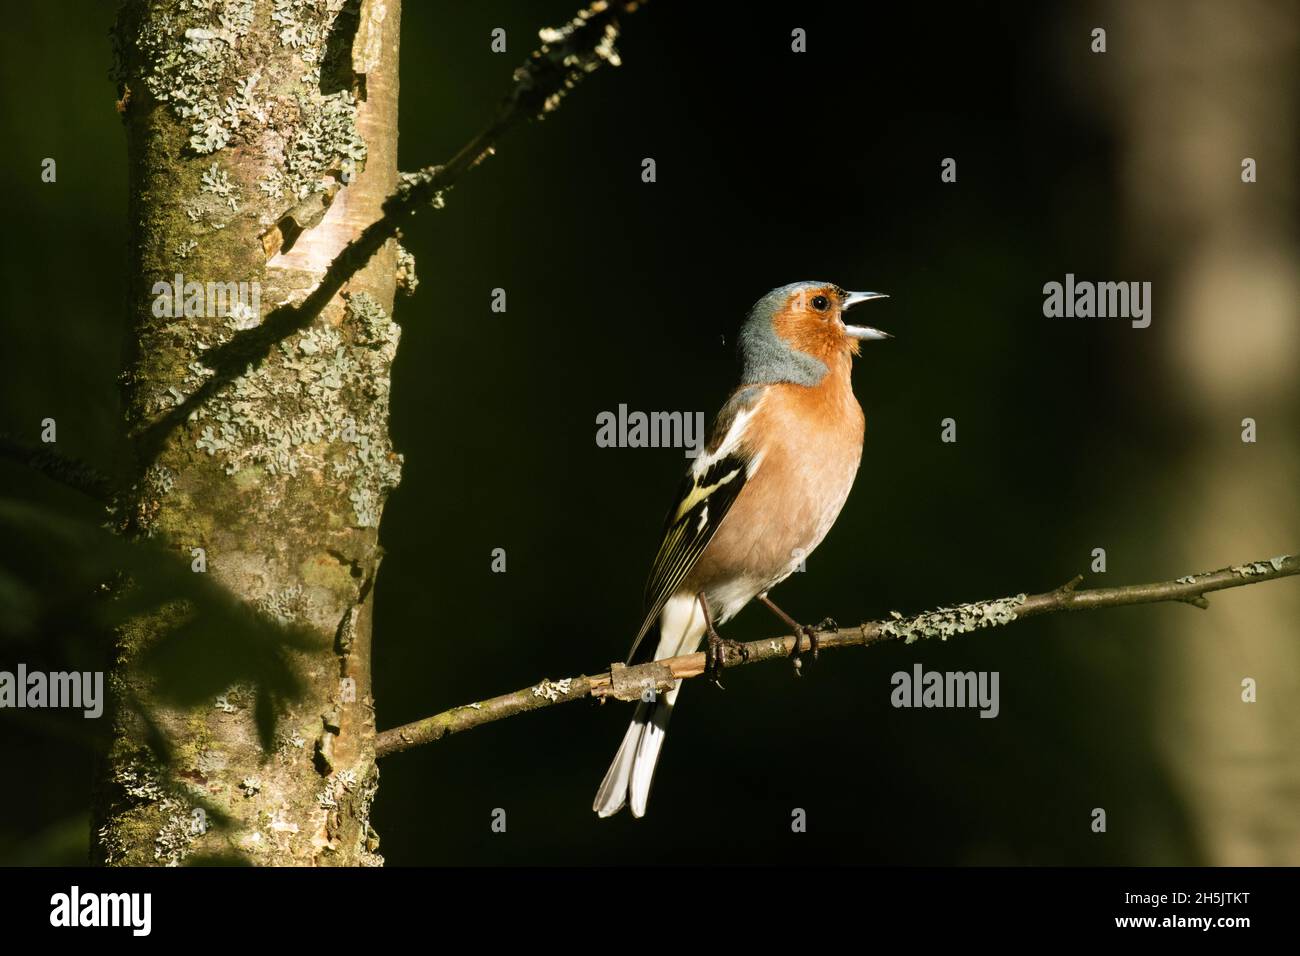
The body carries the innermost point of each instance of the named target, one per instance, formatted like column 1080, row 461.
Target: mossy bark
column 236, row 113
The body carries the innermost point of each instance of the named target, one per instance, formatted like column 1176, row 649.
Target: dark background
column 772, row 167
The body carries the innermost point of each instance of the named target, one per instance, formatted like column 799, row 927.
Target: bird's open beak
column 863, row 331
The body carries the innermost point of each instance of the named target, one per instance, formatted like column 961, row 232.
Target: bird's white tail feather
column 612, row 794
column 647, row 751
column 681, row 626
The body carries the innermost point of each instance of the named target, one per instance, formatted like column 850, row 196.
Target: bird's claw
column 715, row 656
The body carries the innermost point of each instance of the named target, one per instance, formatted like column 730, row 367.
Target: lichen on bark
column 237, row 111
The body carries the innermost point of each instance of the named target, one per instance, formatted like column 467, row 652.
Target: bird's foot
column 715, row 655
column 796, row 657
column 800, row 632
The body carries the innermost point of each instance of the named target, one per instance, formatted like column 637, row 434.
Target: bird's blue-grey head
column 807, row 313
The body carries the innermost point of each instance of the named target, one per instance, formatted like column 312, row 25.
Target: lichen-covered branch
column 630, row 683
column 567, row 55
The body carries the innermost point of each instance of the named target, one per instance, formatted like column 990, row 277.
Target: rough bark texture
column 237, row 114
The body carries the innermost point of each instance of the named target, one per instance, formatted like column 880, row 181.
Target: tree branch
column 72, row 472
column 629, row 683
column 567, row 55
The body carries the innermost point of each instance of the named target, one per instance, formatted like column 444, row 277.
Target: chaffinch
column 762, row 494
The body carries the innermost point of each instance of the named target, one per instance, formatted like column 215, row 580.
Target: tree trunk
column 1195, row 100
column 243, row 119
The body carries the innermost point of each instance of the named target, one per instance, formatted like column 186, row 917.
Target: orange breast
column 811, row 447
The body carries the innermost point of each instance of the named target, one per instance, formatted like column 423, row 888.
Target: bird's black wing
column 707, row 493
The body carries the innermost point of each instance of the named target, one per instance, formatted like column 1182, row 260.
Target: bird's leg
column 715, row 654
column 799, row 631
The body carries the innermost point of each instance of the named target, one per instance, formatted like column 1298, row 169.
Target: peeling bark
column 239, row 115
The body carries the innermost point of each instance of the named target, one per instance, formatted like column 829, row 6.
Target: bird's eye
column 821, row 303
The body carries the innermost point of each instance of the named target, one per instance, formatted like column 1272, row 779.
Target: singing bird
column 762, row 494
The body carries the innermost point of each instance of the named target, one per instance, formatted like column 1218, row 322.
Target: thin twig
column 72, row 472
column 567, row 55
column 631, row 683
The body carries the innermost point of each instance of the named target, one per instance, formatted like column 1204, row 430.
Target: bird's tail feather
column 630, row 775
column 613, row 792
column 647, row 751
